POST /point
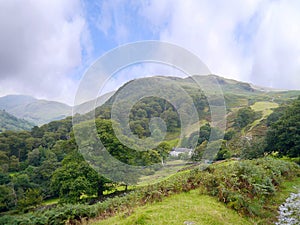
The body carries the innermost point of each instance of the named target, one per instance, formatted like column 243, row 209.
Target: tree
column 7, row 200
column 199, row 150
column 4, row 178
column 229, row 135
column 32, row 197
column 42, row 175
column 34, row 157
column 13, row 164
column 4, row 161
column 204, row 133
column 244, row 117
column 253, row 149
column 75, row 179
column 224, row 152
column 163, row 149
column 283, row 136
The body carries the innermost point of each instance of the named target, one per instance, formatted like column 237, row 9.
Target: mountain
column 39, row 112
column 236, row 93
column 90, row 105
column 34, row 110
column 10, row 122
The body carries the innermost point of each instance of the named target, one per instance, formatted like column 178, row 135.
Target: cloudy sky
column 46, row 46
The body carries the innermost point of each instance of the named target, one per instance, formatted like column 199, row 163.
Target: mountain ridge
column 41, row 111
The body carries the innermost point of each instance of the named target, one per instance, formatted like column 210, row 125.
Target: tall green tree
column 283, row 136
column 75, row 179
column 244, row 117
column 164, row 150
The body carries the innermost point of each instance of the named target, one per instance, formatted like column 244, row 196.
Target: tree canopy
column 284, row 135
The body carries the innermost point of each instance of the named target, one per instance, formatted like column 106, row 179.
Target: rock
column 289, row 212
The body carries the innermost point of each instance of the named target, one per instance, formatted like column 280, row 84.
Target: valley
column 58, row 172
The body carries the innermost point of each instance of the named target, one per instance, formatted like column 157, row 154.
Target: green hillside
column 34, row 110
column 237, row 95
column 185, row 208
column 63, row 161
column 10, row 122
column 40, row 112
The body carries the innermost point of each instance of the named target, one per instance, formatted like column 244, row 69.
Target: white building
column 176, row 151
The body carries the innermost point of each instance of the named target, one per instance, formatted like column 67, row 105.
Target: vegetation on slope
column 44, row 163
column 184, row 208
column 34, row 110
column 284, row 135
column 244, row 186
column 10, row 122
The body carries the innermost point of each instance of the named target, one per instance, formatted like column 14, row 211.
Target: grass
column 170, row 169
column 173, row 143
column 180, row 209
column 194, row 127
column 164, row 173
column 50, row 201
column 195, row 208
column 271, row 208
column 265, row 108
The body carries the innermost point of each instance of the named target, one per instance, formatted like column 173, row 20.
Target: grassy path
column 185, row 208
column 193, row 208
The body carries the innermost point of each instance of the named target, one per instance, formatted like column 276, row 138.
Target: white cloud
column 40, row 44
column 207, row 28
column 253, row 40
column 112, row 19
column 276, row 46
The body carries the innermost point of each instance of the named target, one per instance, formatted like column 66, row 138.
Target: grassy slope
column 180, row 209
column 201, row 209
column 266, row 108
column 170, row 169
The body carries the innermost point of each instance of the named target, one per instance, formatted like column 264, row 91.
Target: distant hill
column 40, row 112
column 89, row 105
column 34, row 110
column 10, row 122
column 236, row 94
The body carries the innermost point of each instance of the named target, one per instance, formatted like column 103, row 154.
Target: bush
column 243, row 186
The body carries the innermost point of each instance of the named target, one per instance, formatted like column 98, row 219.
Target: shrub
column 243, row 186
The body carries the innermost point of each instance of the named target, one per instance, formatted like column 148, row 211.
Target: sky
column 47, row 46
